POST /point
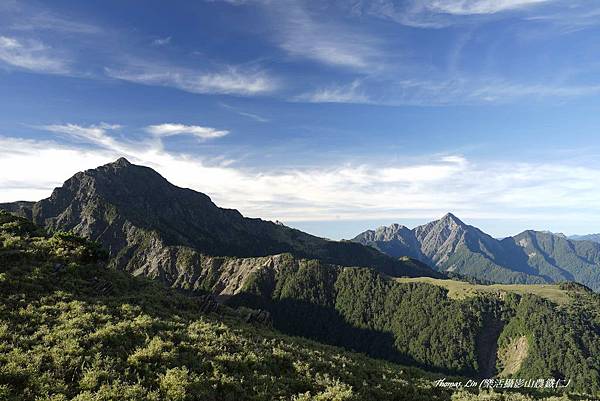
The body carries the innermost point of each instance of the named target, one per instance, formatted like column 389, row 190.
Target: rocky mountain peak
column 120, row 162
column 392, row 230
column 397, row 227
column 439, row 231
column 129, row 185
column 451, row 220
column 385, row 233
column 399, row 240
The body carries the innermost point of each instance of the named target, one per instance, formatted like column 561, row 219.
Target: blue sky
column 333, row 116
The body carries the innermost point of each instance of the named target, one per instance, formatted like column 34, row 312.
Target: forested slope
column 417, row 323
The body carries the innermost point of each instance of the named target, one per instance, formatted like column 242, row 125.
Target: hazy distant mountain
column 529, row 257
column 586, row 237
column 395, row 240
column 154, row 228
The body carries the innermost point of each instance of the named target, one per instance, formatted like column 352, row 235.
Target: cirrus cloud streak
column 31, row 55
column 170, row 129
column 230, row 80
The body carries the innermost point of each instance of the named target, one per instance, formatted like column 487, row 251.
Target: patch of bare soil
column 512, row 355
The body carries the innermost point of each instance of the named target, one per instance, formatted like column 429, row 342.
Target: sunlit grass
column 461, row 289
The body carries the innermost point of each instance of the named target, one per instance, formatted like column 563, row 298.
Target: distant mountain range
column 586, row 237
column 154, row 228
column 530, row 257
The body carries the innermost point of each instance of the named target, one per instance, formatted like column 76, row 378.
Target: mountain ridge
column 530, row 257
column 585, row 237
column 151, row 227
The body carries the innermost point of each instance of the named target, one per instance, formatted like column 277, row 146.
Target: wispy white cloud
column 94, row 134
column 304, row 34
column 463, row 91
column 170, row 129
column 439, row 13
column 36, row 20
column 21, row 16
column 251, row 116
column 161, row 41
column 31, row 55
column 350, row 93
column 235, row 80
column 573, row 17
column 230, row 80
column 103, row 136
column 470, row 7
column 417, row 187
column 238, row 2
column 457, row 91
column 507, row 91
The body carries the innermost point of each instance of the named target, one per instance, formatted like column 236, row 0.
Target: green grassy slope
column 462, row 289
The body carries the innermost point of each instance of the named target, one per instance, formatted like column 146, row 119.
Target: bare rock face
column 185, row 268
column 153, row 228
column 444, row 237
column 441, row 237
column 395, row 240
column 432, row 242
column 512, row 356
